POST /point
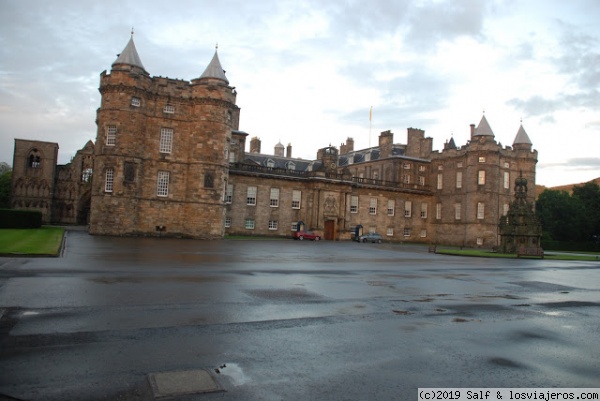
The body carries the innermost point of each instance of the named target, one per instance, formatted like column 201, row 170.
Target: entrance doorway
column 329, row 233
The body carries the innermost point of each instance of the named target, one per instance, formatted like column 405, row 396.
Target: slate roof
column 484, row 129
column 130, row 56
column 281, row 162
column 214, row 70
column 522, row 137
column 360, row 156
column 451, row 144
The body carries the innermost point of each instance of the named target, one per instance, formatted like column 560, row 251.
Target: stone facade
column 170, row 160
column 60, row 192
column 162, row 153
column 33, row 178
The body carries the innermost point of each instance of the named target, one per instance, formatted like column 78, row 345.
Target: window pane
column 111, row 135
column 354, row 204
column 162, row 187
column 296, row 198
column 166, row 140
column 229, row 193
column 251, row 196
column 373, row 206
column 480, row 210
column 108, row 182
column 274, row 200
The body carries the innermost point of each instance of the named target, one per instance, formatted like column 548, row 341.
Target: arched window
column 34, row 160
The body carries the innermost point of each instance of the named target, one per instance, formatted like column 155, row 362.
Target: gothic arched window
column 34, row 160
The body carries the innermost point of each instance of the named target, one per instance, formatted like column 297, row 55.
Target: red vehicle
column 301, row 235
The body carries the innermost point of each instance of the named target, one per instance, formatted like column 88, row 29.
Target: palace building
column 170, row 160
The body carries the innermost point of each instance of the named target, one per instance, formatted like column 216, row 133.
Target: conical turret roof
column 484, row 129
column 522, row 137
column 214, row 70
column 130, row 56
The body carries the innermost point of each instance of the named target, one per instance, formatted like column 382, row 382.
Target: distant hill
column 569, row 187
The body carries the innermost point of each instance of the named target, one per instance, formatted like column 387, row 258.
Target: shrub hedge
column 10, row 218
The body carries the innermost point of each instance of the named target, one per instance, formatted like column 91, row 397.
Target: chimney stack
column 289, row 151
column 255, row 145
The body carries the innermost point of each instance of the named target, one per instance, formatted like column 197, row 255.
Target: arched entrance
column 83, row 208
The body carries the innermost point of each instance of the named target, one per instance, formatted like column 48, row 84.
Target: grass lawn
column 45, row 241
column 488, row 254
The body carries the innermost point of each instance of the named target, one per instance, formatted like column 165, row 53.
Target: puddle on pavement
column 161, row 279
column 234, row 372
column 289, row 295
column 30, row 313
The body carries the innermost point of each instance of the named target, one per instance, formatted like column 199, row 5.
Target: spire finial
column 132, row 32
column 217, row 46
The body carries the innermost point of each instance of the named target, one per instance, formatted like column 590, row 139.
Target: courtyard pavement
column 151, row 318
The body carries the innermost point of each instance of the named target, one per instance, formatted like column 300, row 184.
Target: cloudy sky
column 307, row 72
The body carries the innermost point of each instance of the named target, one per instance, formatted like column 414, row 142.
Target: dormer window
column 270, row 163
column 291, row 166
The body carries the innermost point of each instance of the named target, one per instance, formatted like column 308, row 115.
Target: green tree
column 588, row 195
column 561, row 215
column 5, row 188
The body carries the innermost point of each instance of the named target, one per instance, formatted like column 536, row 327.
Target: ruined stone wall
column 33, row 177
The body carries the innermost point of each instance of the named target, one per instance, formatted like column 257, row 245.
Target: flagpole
column 370, row 122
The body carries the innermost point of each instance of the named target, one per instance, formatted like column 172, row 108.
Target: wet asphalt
column 290, row 320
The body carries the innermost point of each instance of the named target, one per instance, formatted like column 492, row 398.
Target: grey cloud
column 578, row 163
column 406, row 100
column 445, row 21
column 539, row 106
column 585, row 162
column 535, row 105
column 580, row 59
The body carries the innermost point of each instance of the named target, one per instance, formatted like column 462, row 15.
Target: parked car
column 371, row 237
column 301, row 235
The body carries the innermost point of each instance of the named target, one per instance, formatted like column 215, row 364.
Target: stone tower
column 162, row 151
column 473, row 185
column 34, row 168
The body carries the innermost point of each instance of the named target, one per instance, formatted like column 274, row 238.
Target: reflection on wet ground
column 292, row 320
